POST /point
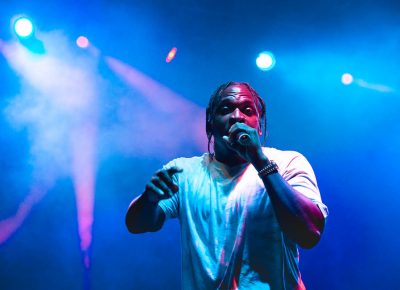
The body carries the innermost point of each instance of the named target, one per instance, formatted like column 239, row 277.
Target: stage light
column 171, row 54
column 82, row 42
column 23, row 27
column 265, row 61
column 347, row 79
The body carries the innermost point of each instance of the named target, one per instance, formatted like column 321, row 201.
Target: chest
column 229, row 201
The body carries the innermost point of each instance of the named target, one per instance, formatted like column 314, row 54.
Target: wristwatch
column 267, row 170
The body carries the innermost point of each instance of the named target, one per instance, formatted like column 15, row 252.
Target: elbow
column 131, row 227
column 132, row 224
column 142, row 217
column 134, row 228
column 138, row 227
column 311, row 237
column 310, row 240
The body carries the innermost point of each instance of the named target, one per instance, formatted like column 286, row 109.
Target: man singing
column 243, row 209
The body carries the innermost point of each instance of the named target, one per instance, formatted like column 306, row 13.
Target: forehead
column 238, row 92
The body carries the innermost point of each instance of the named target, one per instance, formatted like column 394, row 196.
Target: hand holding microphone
column 241, row 135
column 243, row 139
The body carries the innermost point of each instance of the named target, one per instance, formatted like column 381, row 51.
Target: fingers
column 246, row 150
column 161, row 185
column 239, row 128
column 233, row 134
column 154, row 194
column 228, row 141
column 166, row 176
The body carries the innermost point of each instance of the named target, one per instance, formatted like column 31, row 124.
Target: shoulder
column 281, row 155
column 189, row 160
column 287, row 159
column 189, row 163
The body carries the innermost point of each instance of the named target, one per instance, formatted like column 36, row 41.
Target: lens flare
column 82, row 42
column 23, row 27
column 265, row 61
column 347, row 79
column 171, row 54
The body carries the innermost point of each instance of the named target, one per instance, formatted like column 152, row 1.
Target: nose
column 236, row 117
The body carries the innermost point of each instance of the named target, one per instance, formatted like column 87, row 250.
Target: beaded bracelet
column 270, row 168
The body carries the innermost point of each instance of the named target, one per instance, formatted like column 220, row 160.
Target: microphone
column 243, row 139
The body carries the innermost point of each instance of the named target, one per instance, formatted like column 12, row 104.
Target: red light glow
column 171, row 54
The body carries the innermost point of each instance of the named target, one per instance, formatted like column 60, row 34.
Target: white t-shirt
column 229, row 233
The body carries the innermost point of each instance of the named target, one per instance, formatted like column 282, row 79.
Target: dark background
column 350, row 134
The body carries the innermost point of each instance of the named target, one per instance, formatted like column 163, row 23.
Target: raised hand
column 161, row 185
column 251, row 149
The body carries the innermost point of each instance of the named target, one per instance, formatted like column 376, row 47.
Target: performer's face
column 237, row 104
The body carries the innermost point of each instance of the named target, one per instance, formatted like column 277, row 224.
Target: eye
column 223, row 110
column 249, row 111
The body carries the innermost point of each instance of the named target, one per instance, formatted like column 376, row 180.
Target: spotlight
column 25, row 31
column 171, row 54
column 347, row 79
column 23, row 27
column 82, row 42
column 265, row 60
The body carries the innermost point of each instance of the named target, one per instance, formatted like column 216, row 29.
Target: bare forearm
column 144, row 216
column 298, row 216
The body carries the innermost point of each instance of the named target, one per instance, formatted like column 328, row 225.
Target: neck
column 229, row 157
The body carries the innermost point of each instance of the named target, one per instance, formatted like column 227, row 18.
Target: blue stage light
column 265, row 60
column 23, row 27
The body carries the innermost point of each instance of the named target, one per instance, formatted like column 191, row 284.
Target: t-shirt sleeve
column 170, row 206
column 299, row 174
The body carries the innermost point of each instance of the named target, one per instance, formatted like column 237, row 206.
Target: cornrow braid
column 214, row 101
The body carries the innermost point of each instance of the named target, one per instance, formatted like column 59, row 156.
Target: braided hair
column 213, row 105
